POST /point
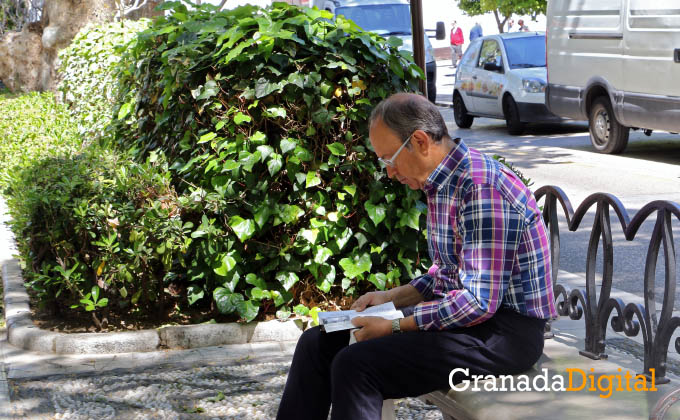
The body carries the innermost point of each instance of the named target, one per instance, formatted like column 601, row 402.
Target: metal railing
column 597, row 305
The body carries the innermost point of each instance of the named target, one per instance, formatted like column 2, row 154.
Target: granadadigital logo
column 577, row 380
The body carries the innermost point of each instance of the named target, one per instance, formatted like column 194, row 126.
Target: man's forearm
column 405, row 295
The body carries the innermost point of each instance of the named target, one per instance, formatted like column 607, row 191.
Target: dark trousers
column 357, row 378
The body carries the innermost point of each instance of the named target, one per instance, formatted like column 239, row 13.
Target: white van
column 615, row 63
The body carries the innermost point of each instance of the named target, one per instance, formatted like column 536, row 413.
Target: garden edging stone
column 23, row 333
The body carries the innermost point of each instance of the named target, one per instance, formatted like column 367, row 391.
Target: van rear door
column 651, row 73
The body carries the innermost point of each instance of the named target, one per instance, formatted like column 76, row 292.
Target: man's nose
column 391, row 171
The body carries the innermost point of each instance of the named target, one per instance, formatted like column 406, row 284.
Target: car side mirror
column 441, row 30
column 491, row 66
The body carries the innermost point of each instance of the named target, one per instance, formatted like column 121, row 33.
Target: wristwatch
column 396, row 328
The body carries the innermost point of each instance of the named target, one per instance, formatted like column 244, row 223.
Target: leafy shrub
column 98, row 228
column 88, row 82
column 32, row 127
column 262, row 115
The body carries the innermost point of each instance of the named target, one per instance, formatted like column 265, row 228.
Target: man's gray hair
column 405, row 113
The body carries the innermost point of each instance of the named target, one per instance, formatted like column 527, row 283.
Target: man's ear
column 421, row 141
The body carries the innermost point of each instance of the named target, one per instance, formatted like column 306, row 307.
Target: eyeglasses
column 390, row 162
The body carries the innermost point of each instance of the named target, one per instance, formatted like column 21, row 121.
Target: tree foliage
column 503, row 9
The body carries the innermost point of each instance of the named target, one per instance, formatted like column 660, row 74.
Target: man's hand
column 370, row 299
column 371, row 327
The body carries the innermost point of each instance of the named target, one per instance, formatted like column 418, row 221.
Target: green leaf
column 247, row 309
column 395, row 42
column 343, row 238
column 124, row 110
column 290, row 214
column 265, row 151
column 321, row 116
column 274, row 164
column 322, row 254
column 227, row 264
column 411, row 218
column 314, row 313
column 352, row 189
column 287, row 145
column 241, row 118
column 256, row 281
column 375, row 213
column 207, row 137
column 356, row 266
column 209, row 90
column 327, row 279
column 287, row 279
column 379, row 280
column 338, row 149
column 312, row 179
column 262, row 214
column 301, row 310
column 194, row 293
column 283, row 314
column 243, row 228
column 226, row 301
column 275, row 112
column 310, row 235
column 264, row 87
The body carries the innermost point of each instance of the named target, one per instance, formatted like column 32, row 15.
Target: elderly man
column 482, row 305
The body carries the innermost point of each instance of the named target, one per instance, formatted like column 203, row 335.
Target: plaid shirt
column 487, row 242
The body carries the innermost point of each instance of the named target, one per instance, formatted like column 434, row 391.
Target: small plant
column 91, row 300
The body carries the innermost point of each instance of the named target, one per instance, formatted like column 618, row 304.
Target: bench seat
column 561, row 352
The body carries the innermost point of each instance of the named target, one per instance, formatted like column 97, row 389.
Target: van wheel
column 606, row 134
column 515, row 125
column 460, row 114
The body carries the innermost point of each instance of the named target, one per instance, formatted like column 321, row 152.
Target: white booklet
column 342, row 320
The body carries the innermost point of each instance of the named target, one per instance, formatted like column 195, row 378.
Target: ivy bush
column 88, row 83
column 262, row 117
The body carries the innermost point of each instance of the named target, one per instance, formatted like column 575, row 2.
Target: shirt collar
column 447, row 167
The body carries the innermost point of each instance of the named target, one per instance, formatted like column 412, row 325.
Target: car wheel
column 606, row 134
column 460, row 114
column 512, row 120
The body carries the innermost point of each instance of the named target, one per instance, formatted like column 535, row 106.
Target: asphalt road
column 561, row 154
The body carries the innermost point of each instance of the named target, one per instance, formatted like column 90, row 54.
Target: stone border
column 22, row 333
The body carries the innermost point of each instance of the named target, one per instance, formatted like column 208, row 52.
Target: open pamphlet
column 342, row 320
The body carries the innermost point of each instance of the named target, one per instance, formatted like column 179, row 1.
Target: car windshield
column 525, row 52
column 384, row 19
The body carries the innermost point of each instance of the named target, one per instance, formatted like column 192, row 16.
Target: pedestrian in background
column 511, row 23
column 456, row 43
column 476, row 32
column 522, row 26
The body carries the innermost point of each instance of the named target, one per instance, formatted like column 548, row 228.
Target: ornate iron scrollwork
column 595, row 304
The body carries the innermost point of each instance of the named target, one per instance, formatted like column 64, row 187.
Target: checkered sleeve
column 490, row 229
column 424, row 285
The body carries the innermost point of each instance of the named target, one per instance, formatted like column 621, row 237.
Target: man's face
column 385, row 143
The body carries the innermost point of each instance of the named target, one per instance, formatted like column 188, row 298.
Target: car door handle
column 676, row 56
column 474, row 77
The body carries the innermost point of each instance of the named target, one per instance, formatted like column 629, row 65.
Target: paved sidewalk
column 226, row 382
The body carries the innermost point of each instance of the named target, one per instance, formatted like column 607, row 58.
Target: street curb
column 22, row 333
